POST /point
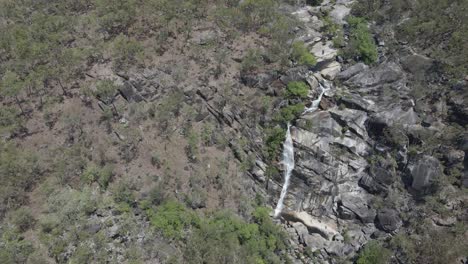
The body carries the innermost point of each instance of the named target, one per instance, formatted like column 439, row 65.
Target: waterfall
column 316, row 102
column 288, row 151
column 288, row 163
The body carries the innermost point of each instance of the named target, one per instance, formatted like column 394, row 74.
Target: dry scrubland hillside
column 150, row 131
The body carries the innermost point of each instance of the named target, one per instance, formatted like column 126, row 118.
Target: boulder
column 129, row 93
column 388, row 220
column 416, row 64
column 338, row 14
column 355, row 101
column 316, row 242
column 353, row 119
column 384, row 73
column 324, row 228
column 339, row 249
column 260, row 80
column 424, row 172
column 324, row 51
column 331, row 70
column 357, row 203
column 294, row 75
column 351, row 71
column 301, row 231
column 378, row 179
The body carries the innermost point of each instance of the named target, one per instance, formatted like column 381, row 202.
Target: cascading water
column 288, row 163
column 316, row 102
column 288, row 152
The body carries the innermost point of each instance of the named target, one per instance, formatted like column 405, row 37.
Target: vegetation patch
column 361, row 43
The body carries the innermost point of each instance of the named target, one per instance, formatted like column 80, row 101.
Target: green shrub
column 13, row 247
column 297, row 89
column 226, row 238
column 290, row 112
column 116, row 15
column 257, row 12
column 126, row 52
column 301, row 55
column 172, row 219
column 22, row 218
column 94, row 173
column 361, row 43
column 252, row 60
column 193, row 140
column 373, row 253
column 157, row 195
column 273, row 140
column 106, row 90
column 10, row 122
column 123, row 193
column 19, row 171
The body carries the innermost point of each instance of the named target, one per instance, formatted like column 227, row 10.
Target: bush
column 126, row 52
column 172, row 219
column 13, row 247
column 9, row 120
column 22, row 218
column 361, row 43
column 373, row 253
column 251, row 61
column 225, row 238
column 101, row 175
column 301, row 55
column 106, row 90
column 297, row 89
column 290, row 112
column 273, row 140
column 116, row 15
column 192, row 148
column 19, row 170
column 257, row 12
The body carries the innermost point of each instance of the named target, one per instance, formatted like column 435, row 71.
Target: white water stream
column 288, row 152
column 288, row 163
column 316, row 102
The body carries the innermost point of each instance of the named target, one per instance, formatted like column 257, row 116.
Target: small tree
column 297, row 89
column 126, row 51
column 12, row 87
column 373, row 253
column 68, row 66
column 361, row 42
column 301, row 55
column 106, row 91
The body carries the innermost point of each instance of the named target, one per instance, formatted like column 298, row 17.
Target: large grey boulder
column 326, row 229
column 357, row 204
column 356, row 101
column 384, row 73
column 353, row 119
column 424, row 172
column 351, row 71
column 417, row 64
column 381, row 175
column 324, row 51
column 129, row 93
column 388, row 220
column 338, row 13
column 294, row 75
